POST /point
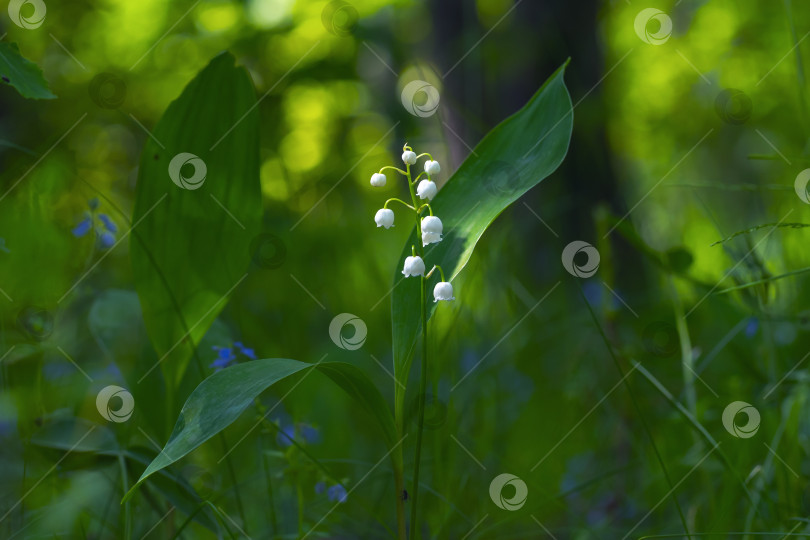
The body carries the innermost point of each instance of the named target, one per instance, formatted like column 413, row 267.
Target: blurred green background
column 606, row 398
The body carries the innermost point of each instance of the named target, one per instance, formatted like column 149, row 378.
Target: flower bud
column 378, row 180
column 408, row 157
column 431, row 230
column 443, row 291
column 427, row 189
column 432, row 167
column 384, row 218
column 414, row 266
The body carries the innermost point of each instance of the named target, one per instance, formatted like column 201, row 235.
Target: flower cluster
column 429, row 227
column 103, row 226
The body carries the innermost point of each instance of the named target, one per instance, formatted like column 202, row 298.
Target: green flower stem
column 430, row 209
column 394, row 199
column 423, row 155
column 400, row 171
column 423, row 375
column 415, row 180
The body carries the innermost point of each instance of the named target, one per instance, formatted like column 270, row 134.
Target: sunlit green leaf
column 191, row 239
column 514, row 157
column 22, row 74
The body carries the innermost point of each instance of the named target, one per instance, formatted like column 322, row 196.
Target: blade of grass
column 638, row 409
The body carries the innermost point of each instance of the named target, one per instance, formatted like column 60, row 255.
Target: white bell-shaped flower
column 427, row 189
column 408, row 157
column 432, row 167
column 443, row 291
column 384, row 218
column 431, row 230
column 414, row 266
column 378, row 180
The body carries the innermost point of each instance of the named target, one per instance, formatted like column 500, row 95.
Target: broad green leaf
column 22, row 74
column 191, row 241
column 514, row 157
column 219, row 400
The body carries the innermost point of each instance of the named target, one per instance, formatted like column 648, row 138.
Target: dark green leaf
column 220, row 399
column 514, row 157
column 22, row 74
column 190, row 247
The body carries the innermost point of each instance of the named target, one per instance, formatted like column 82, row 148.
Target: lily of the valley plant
column 429, row 228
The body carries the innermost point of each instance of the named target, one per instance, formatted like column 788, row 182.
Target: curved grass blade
column 763, row 226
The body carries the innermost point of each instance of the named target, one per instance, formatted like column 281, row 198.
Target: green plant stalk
column 423, row 374
column 420, row 429
column 125, row 485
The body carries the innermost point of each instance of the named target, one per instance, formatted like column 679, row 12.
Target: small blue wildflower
column 752, row 327
column 108, row 223
column 310, row 434
column 320, row 487
column 337, row 493
column 225, row 357
column 3, row 247
column 83, row 227
column 250, row 353
column 105, row 228
column 106, row 240
column 285, row 436
column 593, row 293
